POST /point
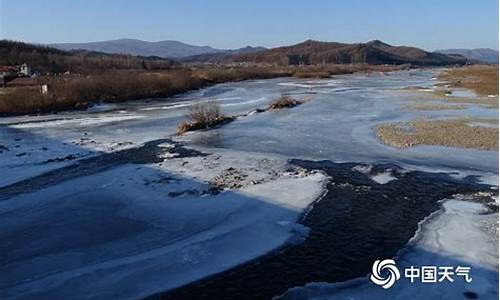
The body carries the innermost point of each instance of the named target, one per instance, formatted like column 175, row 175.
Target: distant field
column 461, row 133
column 483, row 79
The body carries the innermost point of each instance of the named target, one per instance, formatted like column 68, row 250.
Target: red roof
column 7, row 69
column 22, row 81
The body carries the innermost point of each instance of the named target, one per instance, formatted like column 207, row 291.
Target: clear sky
column 235, row 23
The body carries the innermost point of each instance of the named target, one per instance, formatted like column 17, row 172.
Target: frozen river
column 106, row 203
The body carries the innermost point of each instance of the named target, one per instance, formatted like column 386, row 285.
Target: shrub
column 203, row 116
column 284, row 102
column 205, row 113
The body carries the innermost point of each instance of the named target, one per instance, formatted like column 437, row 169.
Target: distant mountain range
column 165, row 49
column 479, row 54
column 309, row 52
column 222, row 56
column 316, row 52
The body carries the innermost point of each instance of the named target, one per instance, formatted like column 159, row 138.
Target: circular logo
column 392, row 273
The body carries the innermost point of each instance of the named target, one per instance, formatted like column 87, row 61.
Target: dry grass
column 441, row 94
column 285, row 102
column 115, row 86
column 79, row 91
column 485, row 102
column 205, row 113
column 483, row 79
column 451, row 133
column 29, row 101
column 482, row 101
column 203, row 116
column 208, row 115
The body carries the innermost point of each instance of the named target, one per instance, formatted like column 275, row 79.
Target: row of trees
column 51, row 60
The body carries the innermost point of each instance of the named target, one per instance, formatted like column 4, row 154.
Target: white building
column 25, row 70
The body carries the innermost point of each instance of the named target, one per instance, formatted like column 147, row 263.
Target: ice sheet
column 165, row 240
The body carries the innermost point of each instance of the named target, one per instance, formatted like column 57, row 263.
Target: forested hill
column 315, row 52
column 51, row 60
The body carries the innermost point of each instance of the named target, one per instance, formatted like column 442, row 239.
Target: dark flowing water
column 356, row 222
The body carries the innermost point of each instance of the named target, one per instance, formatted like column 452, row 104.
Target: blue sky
column 235, row 23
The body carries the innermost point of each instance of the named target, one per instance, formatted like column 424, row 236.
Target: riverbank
column 482, row 79
column 80, row 92
column 481, row 134
column 465, row 90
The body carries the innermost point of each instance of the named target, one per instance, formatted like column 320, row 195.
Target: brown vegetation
column 203, row 116
column 284, row 102
column 67, row 92
column 440, row 95
column 207, row 115
column 451, row 133
column 78, row 91
column 483, row 79
column 375, row 52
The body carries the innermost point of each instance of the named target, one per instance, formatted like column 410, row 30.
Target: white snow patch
column 293, row 84
column 383, row 178
column 246, row 102
column 380, row 178
column 482, row 124
column 365, row 169
column 76, row 121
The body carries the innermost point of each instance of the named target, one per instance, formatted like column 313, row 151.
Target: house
column 22, row 82
column 25, row 70
column 7, row 73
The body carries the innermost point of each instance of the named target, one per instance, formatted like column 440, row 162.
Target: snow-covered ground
column 136, row 229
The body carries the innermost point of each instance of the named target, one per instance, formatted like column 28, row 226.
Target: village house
column 25, row 70
column 7, row 73
column 22, row 82
column 11, row 76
